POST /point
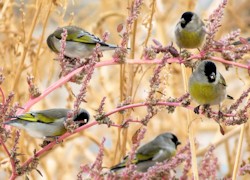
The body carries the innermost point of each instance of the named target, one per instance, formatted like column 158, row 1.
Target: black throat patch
column 210, row 71
column 187, row 16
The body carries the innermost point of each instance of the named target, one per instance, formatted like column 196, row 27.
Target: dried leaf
column 119, row 28
column 222, row 130
column 244, row 40
column 135, row 136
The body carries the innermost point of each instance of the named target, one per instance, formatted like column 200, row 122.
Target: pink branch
column 230, row 62
column 51, row 88
column 8, row 153
column 158, row 103
column 66, row 135
column 61, row 138
column 65, row 79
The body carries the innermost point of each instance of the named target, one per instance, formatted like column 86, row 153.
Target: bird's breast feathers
column 189, row 39
column 206, row 93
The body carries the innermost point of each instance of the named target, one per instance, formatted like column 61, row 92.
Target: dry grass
column 24, row 27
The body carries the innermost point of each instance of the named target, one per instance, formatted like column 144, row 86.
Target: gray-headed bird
column 190, row 31
column 159, row 149
column 79, row 43
column 206, row 85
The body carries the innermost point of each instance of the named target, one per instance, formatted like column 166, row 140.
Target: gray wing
column 222, row 80
column 150, row 148
column 56, row 113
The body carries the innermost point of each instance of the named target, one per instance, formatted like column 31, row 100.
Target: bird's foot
column 196, row 109
column 220, row 115
column 57, row 140
column 53, row 138
column 44, row 143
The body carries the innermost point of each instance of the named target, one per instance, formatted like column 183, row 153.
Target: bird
column 159, row 149
column 46, row 124
column 190, row 31
column 79, row 43
column 206, row 85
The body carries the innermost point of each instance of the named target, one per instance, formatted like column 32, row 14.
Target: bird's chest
column 190, row 39
column 205, row 93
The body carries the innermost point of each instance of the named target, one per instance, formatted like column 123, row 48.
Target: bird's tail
column 115, row 46
column 230, row 97
column 112, row 46
column 118, row 166
column 11, row 122
column 105, row 46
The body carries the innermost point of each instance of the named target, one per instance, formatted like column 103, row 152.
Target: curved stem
column 66, row 78
column 2, row 94
column 230, row 62
column 13, row 165
column 190, row 128
column 239, row 148
column 61, row 138
column 217, row 142
column 26, row 47
column 66, row 135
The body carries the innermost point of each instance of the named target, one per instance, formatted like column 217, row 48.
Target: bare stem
column 239, row 149
column 190, row 128
column 26, row 47
column 13, row 165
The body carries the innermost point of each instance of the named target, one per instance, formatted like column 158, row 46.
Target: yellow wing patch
column 35, row 118
column 84, row 39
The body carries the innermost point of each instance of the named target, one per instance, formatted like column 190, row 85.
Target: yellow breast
column 189, row 39
column 204, row 93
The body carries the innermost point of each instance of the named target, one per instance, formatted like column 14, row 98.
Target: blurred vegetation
column 24, row 27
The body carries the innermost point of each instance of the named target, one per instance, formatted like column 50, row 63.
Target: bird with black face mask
column 158, row 150
column 47, row 124
column 206, row 85
column 189, row 31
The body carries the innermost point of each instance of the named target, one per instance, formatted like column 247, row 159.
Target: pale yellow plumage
column 206, row 85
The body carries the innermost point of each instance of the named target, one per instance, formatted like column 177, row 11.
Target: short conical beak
column 182, row 21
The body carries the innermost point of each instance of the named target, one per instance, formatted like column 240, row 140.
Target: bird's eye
column 32, row 114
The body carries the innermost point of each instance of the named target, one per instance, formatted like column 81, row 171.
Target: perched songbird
column 47, row 124
column 206, row 85
column 79, row 43
column 159, row 149
column 190, row 31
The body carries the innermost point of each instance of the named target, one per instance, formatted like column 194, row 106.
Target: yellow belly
column 205, row 94
column 189, row 39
